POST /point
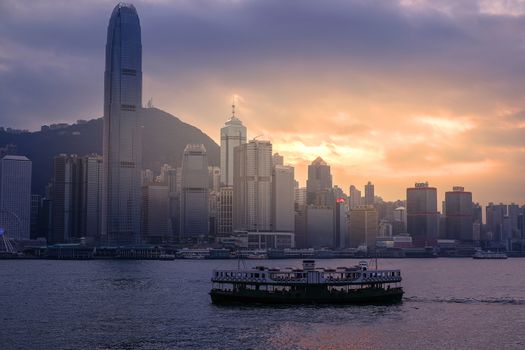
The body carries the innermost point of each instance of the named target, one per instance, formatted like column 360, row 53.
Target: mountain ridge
column 164, row 138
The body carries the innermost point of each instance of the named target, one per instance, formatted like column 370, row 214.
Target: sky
column 394, row 92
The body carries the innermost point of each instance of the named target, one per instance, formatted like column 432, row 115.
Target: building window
column 125, row 107
column 126, row 71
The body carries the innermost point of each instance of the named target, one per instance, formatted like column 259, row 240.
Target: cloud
column 383, row 90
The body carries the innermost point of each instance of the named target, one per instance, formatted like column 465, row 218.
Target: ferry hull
column 371, row 296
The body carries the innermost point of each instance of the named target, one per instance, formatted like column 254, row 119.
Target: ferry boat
column 480, row 254
column 309, row 285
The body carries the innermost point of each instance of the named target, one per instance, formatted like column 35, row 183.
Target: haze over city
column 393, row 92
column 167, row 167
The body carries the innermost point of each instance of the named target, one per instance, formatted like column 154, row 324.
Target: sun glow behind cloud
column 393, row 92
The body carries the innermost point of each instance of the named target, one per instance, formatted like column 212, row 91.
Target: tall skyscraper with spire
column 233, row 134
column 122, row 143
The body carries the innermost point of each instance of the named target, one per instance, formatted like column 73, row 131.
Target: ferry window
column 364, row 275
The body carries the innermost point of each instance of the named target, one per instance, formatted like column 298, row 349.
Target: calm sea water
column 449, row 304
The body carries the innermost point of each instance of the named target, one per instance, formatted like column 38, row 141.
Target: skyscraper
column 15, row 196
column 283, row 198
column 77, row 197
column 66, row 198
column 173, row 183
column 225, row 211
column 156, row 223
column 91, row 197
column 214, row 178
column 513, row 211
column 194, row 192
column 495, row 214
column 369, row 194
column 300, row 196
column 277, row 159
column 319, row 183
column 252, row 186
column 122, row 143
column 422, row 214
column 458, row 213
column 354, row 197
column 363, row 227
column 341, row 224
column 36, row 204
column 320, row 227
column 233, row 134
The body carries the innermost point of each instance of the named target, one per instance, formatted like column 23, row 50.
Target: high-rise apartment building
column 15, row 196
column 354, row 197
column 458, row 214
column 422, row 215
column 319, row 183
column 283, row 199
column 233, row 134
column 369, row 194
column 194, row 192
column 122, row 144
column 252, row 186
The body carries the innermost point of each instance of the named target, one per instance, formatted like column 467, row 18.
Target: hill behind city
column 164, row 139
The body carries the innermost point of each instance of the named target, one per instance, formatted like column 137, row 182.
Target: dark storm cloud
column 52, row 52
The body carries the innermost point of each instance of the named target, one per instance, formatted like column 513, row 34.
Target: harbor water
column 110, row 304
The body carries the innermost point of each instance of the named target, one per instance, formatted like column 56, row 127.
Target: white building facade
column 252, row 190
column 233, row 134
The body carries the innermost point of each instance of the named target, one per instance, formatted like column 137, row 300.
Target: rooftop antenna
column 233, row 106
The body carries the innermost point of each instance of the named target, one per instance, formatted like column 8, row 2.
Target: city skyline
column 394, row 114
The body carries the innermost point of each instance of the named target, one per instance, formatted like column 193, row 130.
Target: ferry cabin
column 275, row 280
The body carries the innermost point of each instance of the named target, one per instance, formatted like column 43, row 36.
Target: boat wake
column 475, row 301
